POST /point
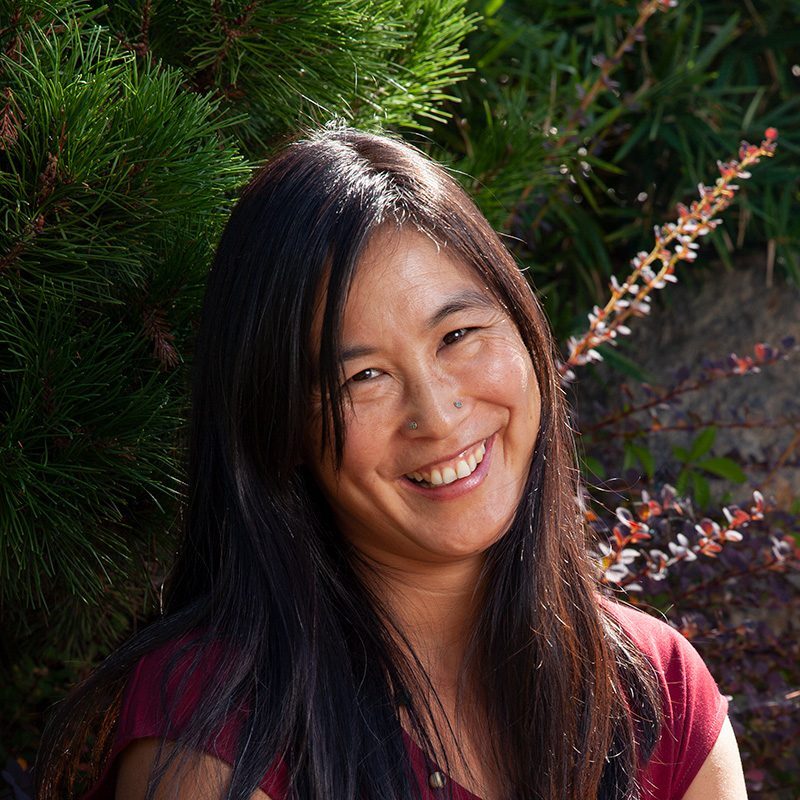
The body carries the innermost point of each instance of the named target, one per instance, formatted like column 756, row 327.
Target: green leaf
column 628, row 458
column 625, row 365
column 724, row 468
column 645, row 458
column 592, row 466
column 701, row 491
column 681, row 453
column 702, row 444
column 492, row 7
column 682, row 483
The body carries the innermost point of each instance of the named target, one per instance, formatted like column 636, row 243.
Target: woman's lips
column 460, row 486
column 461, row 465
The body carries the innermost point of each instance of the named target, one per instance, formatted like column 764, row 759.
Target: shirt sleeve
column 693, row 708
column 159, row 698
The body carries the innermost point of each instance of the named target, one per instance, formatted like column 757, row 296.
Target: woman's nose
column 435, row 407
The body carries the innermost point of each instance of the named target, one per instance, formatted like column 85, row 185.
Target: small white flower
column 616, row 573
column 624, row 516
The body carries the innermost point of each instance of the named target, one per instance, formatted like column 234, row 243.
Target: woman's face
column 443, row 412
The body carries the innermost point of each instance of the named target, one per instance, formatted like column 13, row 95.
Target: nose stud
column 413, row 425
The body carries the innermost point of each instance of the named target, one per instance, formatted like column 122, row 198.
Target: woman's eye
column 455, row 336
column 365, row 375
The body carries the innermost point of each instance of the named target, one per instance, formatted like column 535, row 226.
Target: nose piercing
column 412, row 425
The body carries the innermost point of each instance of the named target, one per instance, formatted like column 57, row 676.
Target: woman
column 383, row 591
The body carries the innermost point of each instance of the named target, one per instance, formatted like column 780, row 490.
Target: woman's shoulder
column 165, row 689
column 694, row 710
column 680, row 668
column 168, row 683
column 664, row 646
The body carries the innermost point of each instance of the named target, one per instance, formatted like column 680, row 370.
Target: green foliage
column 42, row 681
column 286, row 64
column 693, row 465
column 114, row 183
column 111, row 160
column 579, row 188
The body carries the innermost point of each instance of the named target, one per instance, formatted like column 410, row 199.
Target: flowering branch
column 697, row 220
column 608, row 65
column 782, row 552
column 764, row 355
column 617, row 555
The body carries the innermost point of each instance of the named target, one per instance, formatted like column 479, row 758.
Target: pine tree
column 114, row 181
column 124, row 134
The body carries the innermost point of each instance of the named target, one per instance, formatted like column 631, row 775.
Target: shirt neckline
column 423, row 767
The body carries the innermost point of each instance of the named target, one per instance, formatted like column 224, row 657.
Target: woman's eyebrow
column 357, row 351
column 462, row 301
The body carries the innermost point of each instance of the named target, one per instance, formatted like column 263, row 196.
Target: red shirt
column 694, row 712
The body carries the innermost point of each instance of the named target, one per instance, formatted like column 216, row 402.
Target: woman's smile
column 453, row 477
column 459, row 466
column 441, row 404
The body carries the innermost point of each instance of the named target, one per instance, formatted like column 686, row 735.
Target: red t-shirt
column 694, row 712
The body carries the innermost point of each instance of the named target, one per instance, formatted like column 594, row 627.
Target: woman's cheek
column 369, row 412
column 504, row 368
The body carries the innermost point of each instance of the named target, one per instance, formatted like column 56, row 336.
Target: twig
column 765, row 355
column 784, row 457
column 742, row 425
column 697, row 220
column 602, row 82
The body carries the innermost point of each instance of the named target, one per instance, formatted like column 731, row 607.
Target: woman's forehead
column 404, row 277
column 409, row 274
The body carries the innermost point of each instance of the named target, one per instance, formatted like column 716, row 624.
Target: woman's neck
column 434, row 607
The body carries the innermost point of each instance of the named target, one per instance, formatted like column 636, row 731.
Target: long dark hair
column 573, row 710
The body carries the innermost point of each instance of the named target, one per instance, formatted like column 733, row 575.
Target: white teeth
column 462, row 468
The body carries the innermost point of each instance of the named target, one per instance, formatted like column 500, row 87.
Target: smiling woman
column 384, row 589
column 437, row 348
